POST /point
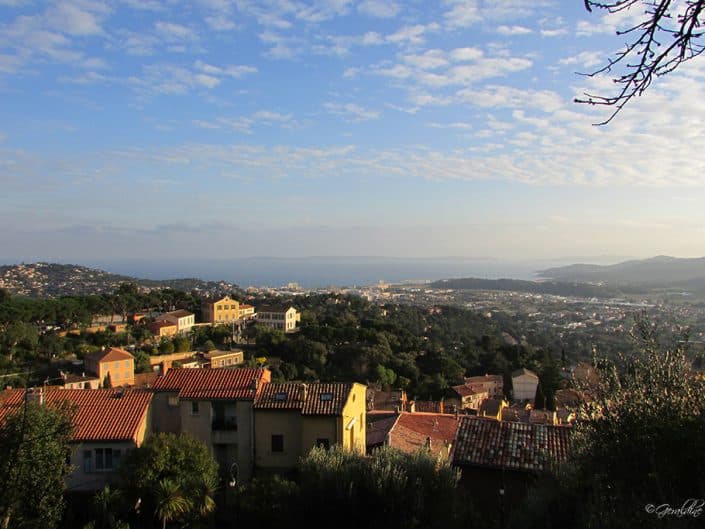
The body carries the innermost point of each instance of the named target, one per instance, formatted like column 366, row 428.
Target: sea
column 328, row 272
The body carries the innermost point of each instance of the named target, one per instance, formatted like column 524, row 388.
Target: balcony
column 228, row 424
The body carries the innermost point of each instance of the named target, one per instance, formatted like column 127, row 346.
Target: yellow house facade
column 292, row 418
column 223, row 310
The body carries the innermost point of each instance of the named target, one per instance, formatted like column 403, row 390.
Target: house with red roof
column 434, row 432
column 500, row 460
column 116, row 364
column 291, row 418
column 214, row 406
column 108, row 424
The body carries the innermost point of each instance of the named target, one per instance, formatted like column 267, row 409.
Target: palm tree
column 170, row 501
column 206, row 491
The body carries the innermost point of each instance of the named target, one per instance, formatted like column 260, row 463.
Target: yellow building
column 217, row 359
column 292, row 418
column 223, row 310
column 119, row 365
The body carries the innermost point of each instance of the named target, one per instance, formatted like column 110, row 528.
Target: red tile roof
column 465, row 391
column 510, row 445
column 214, row 384
column 377, row 430
column 181, row 313
column 412, row 430
column 101, row 414
column 499, row 379
column 321, row 398
column 112, row 354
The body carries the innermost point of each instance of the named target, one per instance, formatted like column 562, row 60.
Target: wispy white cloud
column 379, row 8
column 351, row 111
column 174, row 32
column 513, row 30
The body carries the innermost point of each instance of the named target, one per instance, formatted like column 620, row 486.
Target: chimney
column 303, row 392
column 441, row 406
column 412, row 407
column 34, row 396
column 254, row 385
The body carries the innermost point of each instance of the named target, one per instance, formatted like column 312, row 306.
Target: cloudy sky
column 162, row 128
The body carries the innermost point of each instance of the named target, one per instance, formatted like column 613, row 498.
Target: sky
column 162, row 129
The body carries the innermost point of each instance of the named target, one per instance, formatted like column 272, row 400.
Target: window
column 194, row 407
column 105, row 458
column 326, row 396
column 323, row 443
column 280, row 396
column 86, row 460
column 277, row 443
column 127, row 364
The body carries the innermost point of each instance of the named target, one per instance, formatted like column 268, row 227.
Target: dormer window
column 326, row 397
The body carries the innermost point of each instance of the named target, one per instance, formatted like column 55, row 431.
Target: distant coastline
column 322, row 272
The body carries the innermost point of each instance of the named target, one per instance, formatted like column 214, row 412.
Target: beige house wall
column 83, row 479
column 238, row 443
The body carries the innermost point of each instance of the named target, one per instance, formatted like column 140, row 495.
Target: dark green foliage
column 335, row 488
column 166, row 347
column 142, row 364
column 167, row 466
column 641, row 441
column 34, row 445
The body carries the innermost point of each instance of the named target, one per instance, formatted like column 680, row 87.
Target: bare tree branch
column 645, row 56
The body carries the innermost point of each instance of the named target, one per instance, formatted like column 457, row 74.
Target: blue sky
column 168, row 129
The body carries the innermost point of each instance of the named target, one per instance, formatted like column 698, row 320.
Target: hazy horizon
column 324, row 271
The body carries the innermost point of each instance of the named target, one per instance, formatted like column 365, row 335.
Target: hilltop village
column 265, row 379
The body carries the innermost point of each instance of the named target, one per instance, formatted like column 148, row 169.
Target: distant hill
column 661, row 271
column 52, row 280
column 556, row 288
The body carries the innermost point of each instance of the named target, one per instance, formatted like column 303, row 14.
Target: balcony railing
column 225, row 424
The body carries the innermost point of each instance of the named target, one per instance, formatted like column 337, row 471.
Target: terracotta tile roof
column 377, row 430
column 321, row 398
column 181, row 313
column 412, row 430
column 160, row 324
column 510, row 445
column 491, row 407
column 214, row 384
column 464, row 391
column 274, row 308
column 101, row 414
column 524, row 371
column 515, row 414
column 484, row 379
column 112, row 354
